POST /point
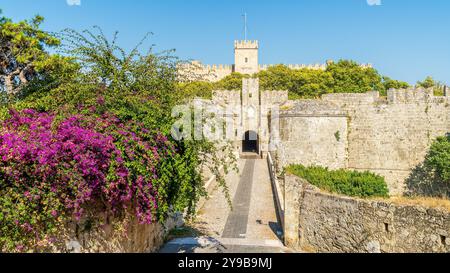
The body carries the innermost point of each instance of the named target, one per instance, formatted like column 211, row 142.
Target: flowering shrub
column 52, row 169
column 96, row 143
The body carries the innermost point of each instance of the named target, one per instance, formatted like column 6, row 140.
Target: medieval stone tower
column 246, row 57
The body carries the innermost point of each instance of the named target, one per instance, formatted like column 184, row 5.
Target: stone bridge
column 251, row 225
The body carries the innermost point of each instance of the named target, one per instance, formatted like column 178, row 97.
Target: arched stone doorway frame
column 251, row 142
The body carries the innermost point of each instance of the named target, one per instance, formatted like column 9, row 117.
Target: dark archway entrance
column 250, row 143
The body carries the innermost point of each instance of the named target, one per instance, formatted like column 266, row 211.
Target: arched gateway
column 250, row 142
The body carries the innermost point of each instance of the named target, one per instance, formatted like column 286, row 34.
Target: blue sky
column 404, row 39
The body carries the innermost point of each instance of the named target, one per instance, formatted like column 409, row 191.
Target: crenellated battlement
column 195, row 70
column 216, row 67
column 295, row 66
column 246, row 44
column 410, row 95
column 316, row 66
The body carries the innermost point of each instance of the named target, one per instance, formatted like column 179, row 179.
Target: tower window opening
column 246, row 60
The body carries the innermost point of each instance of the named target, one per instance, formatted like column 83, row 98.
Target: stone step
column 223, row 245
column 250, row 156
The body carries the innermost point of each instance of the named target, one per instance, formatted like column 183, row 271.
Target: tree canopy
column 438, row 159
column 427, row 83
column 24, row 56
column 342, row 77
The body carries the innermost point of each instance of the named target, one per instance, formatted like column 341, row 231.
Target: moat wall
column 322, row 222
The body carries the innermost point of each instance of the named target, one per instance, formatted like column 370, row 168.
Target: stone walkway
column 237, row 221
column 251, row 226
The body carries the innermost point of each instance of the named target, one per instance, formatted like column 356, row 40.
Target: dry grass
column 421, row 201
column 286, row 107
column 308, row 249
column 427, row 202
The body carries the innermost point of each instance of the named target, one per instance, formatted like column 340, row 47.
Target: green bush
column 438, row 158
column 432, row 177
column 351, row 183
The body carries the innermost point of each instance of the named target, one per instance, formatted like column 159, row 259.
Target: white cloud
column 73, row 2
column 374, row 2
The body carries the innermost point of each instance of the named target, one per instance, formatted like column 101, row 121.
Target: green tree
column 196, row 89
column 394, row 84
column 438, row 158
column 231, row 82
column 302, row 83
column 350, row 77
column 429, row 82
column 277, row 77
column 432, row 177
column 309, row 83
column 23, row 55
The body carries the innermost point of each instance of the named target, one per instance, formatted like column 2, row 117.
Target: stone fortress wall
column 312, row 132
column 392, row 136
column 388, row 136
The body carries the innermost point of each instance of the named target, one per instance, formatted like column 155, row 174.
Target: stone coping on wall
column 394, row 96
column 323, row 222
column 314, row 108
column 276, row 189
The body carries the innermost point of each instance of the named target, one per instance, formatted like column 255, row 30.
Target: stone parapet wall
column 412, row 95
column 115, row 235
column 273, row 98
column 196, row 71
column 393, row 138
column 313, row 140
column 321, row 222
column 227, row 97
column 351, row 98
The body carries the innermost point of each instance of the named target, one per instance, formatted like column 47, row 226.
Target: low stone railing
column 210, row 185
column 277, row 189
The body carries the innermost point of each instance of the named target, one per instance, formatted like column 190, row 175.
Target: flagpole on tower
column 245, row 25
